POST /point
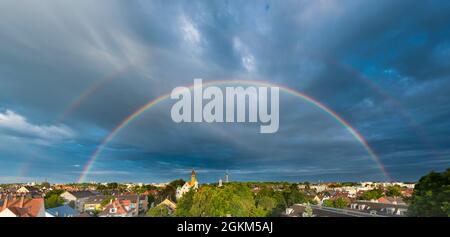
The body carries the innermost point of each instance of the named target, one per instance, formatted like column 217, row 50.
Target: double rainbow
column 130, row 118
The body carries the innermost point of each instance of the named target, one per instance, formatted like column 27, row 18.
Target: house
column 77, row 197
column 22, row 207
column 391, row 200
column 62, row 211
column 351, row 191
column 27, row 189
column 320, row 198
column 368, row 184
column 407, row 192
column 119, row 208
column 139, row 201
column 187, row 186
column 256, row 189
column 301, row 186
column 30, row 191
column 344, row 195
column 385, row 209
column 319, row 188
column 301, row 210
column 94, row 203
column 171, row 206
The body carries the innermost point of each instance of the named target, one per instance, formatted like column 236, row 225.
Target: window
column 113, row 210
column 390, row 211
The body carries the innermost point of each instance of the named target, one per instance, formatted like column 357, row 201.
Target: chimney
column 21, row 201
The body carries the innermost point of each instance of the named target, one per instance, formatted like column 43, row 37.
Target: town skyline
column 189, row 198
column 227, row 176
column 85, row 90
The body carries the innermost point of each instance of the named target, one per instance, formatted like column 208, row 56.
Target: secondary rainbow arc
column 150, row 104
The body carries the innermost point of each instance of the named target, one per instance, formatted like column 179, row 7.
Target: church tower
column 193, row 177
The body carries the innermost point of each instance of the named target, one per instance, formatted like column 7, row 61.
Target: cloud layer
column 12, row 122
column 382, row 66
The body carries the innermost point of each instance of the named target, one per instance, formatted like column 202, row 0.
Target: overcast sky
column 383, row 66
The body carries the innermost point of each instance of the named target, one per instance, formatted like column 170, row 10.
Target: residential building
column 62, row 211
column 385, row 209
column 119, row 208
column 171, row 206
column 22, row 207
column 94, row 203
column 139, row 201
column 391, row 200
column 301, row 210
column 29, row 191
column 77, row 197
column 319, row 188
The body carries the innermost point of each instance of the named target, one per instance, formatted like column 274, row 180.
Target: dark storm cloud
column 381, row 65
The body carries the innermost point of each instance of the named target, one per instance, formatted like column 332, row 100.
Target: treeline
column 431, row 196
column 237, row 199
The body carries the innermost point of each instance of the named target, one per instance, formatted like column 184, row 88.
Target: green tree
column 394, row 191
column 150, row 199
column 266, row 205
column 308, row 211
column 158, row 211
column 95, row 212
column 101, row 187
column 45, row 185
column 230, row 200
column 53, row 200
column 328, row 203
column 372, row 194
column 106, row 201
column 340, row 202
column 294, row 196
column 431, row 195
column 177, row 183
column 270, row 202
column 168, row 192
column 112, row 186
column 184, row 204
column 54, row 192
column 307, row 185
column 336, row 203
column 142, row 189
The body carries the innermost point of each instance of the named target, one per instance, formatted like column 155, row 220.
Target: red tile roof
column 120, row 206
column 23, row 207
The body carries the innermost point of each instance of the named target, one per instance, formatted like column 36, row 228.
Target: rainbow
column 152, row 103
column 89, row 91
column 75, row 104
